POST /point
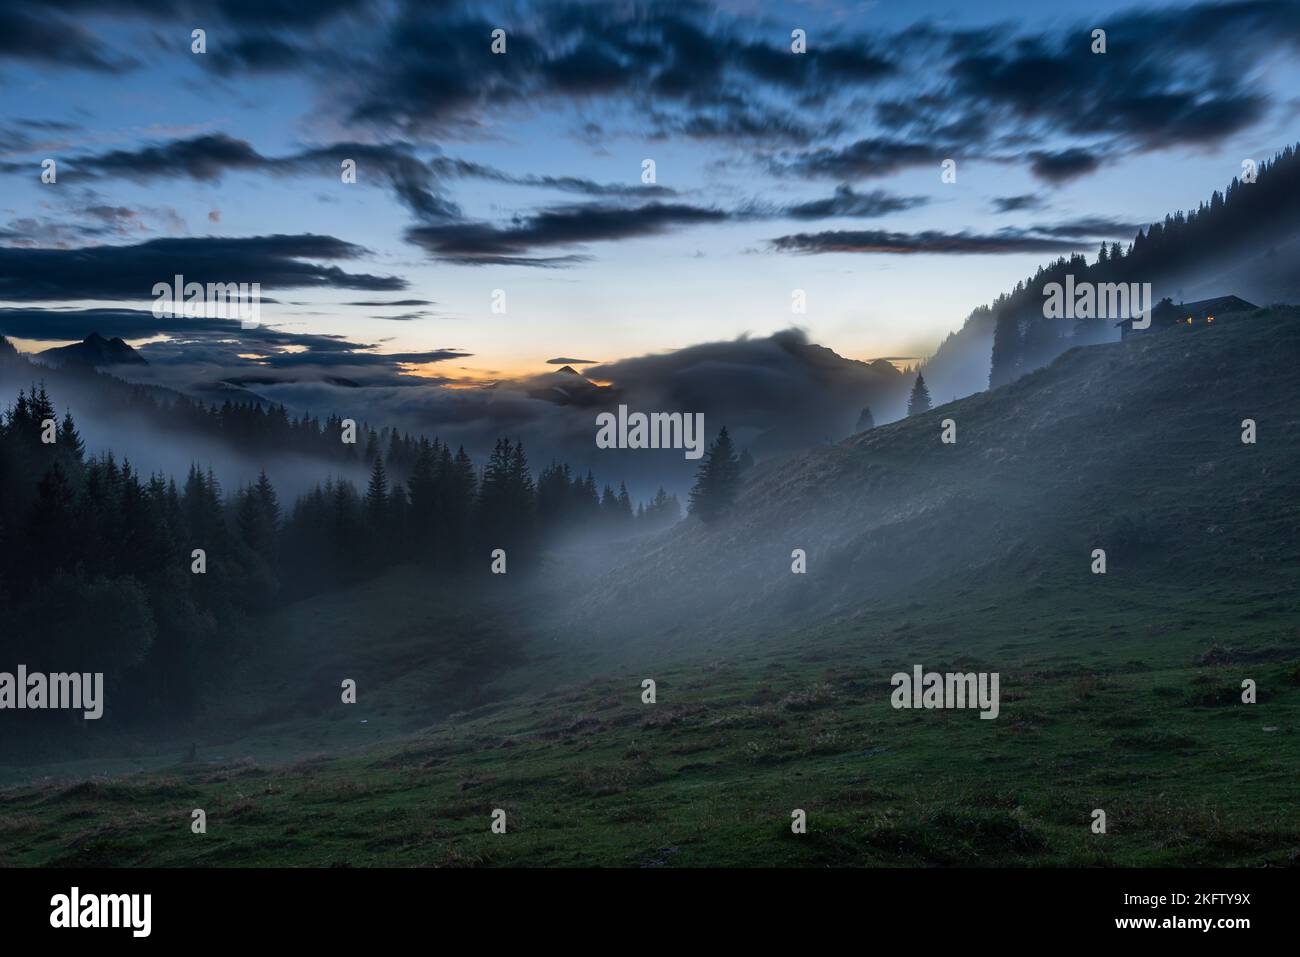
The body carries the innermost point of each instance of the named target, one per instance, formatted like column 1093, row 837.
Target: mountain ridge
column 94, row 351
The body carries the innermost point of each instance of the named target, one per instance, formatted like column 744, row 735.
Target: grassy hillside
column 1134, row 448
column 1137, row 715
column 1119, row 691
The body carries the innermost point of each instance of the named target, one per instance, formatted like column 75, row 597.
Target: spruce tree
column 554, row 495
column 624, row 504
column 267, row 501
column 462, row 486
column 717, row 480
column 608, row 505
column 377, row 491
column 423, row 494
column 70, row 442
column 920, row 398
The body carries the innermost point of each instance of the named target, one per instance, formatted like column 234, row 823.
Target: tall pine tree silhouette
column 920, row 399
column 377, row 491
column 717, row 481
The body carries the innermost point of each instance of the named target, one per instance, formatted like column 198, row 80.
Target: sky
column 522, row 171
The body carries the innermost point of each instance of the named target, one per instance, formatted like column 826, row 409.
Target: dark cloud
column 42, row 39
column 1015, row 204
column 48, row 126
column 55, row 325
column 845, row 202
column 406, row 316
column 569, row 362
column 821, row 65
column 357, row 359
column 257, row 13
column 283, row 13
column 411, row 179
column 204, row 158
column 743, row 123
column 17, row 136
column 90, row 224
column 873, row 156
column 209, row 157
column 259, row 52
column 1089, row 226
column 571, row 184
column 129, row 272
column 930, row 241
column 1064, row 166
column 914, row 112
column 395, row 302
column 646, row 53
column 1170, row 76
column 407, row 89
column 484, row 243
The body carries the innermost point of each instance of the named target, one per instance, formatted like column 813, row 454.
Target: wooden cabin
column 1167, row 315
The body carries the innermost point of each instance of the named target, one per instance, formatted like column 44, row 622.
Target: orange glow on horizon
column 466, row 377
column 457, row 377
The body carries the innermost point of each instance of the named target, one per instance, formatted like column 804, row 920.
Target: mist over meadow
column 955, row 573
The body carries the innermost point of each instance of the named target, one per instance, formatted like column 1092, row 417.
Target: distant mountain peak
column 94, row 351
column 567, row 386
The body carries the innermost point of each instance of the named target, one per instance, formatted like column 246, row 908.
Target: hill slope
column 1134, row 448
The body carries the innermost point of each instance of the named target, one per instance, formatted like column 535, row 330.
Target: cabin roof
column 1217, row 304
